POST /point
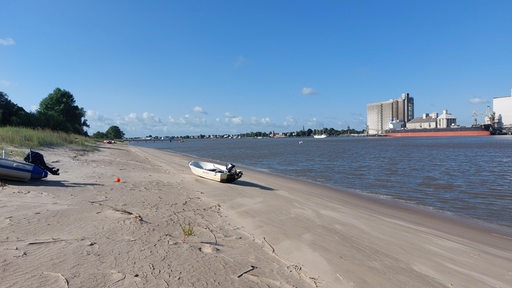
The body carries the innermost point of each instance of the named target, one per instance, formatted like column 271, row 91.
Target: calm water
column 467, row 176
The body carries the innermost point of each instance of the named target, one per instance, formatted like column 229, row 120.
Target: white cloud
column 265, row 120
column 93, row 114
column 172, row 119
column 144, row 124
column 141, row 125
column 7, row 41
column 236, row 120
column 199, row 109
column 151, row 118
column 476, row 100
column 131, row 117
column 179, row 120
column 308, row 91
column 97, row 122
column 290, row 121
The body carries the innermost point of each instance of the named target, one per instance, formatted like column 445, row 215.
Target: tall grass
column 36, row 138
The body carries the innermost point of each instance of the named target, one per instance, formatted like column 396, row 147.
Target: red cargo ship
column 480, row 130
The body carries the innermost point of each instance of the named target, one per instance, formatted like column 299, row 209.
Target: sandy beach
column 84, row 229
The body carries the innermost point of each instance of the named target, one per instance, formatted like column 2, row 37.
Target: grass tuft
column 187, row 230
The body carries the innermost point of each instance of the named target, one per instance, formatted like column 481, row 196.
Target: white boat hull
column 320, row 136
column 20, row 171
column 214, row 171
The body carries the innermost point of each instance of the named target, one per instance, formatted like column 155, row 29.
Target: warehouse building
column 502, row 106
column 433, row 120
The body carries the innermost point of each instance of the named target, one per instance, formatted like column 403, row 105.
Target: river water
column 466, row 176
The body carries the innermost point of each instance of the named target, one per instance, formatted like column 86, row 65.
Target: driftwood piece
column 46, row 241
column 247, row 271
column 123, row 277
column 136, row 216
column 212, row 234
column 271, row 247
column 54, row 240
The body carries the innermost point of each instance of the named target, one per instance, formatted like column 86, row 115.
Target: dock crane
column 488, row 117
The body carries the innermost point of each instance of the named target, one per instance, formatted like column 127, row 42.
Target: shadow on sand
column 254, row 185
column 50, row 183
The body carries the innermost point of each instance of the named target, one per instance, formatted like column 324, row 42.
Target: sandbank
column 84, row 229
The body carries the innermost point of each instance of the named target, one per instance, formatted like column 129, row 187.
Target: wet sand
column 83, row 229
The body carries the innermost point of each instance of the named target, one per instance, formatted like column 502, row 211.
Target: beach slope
column 161, row 226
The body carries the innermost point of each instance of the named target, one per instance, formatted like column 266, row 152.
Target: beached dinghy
column 216, row 172
column 20, row 171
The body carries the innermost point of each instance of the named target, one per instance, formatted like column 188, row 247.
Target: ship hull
column 441, row 132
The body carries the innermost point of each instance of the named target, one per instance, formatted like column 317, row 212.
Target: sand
column 84, row 229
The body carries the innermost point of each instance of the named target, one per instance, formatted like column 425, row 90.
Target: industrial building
column 433, row 120
column 502, row 106
column 379, row 115
column 399, row 113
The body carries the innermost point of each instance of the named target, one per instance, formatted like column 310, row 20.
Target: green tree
column 12, row 114
column 114, row 132
column 99, row 135
column 59, row 112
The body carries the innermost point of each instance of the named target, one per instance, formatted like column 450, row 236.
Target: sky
column 192, row 67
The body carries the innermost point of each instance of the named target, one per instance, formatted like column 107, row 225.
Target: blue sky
column 215, row 67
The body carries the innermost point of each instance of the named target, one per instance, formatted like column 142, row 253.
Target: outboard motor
column 230, row 167
column 37, row 159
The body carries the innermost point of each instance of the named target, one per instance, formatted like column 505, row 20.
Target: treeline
column 302, row 133
column 306, row 133
column 57, row 112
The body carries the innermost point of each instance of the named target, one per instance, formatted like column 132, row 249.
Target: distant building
column 446, row 120
column 433, row 120
column 503, row 106
column 379, row 115
column 425, row 122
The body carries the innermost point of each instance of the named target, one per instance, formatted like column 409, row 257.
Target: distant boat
column 216, row 172
column 321, row 136
column 20, row 171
